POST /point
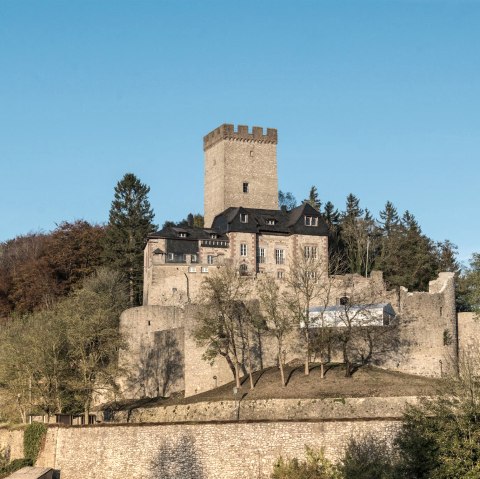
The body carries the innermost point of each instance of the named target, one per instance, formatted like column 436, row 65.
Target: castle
column 244, row 227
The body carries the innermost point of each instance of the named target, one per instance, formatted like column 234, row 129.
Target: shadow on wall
column 161, row 367
column 178, row 460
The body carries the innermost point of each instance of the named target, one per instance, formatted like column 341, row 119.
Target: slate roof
column 285, row 222
column 174, row 232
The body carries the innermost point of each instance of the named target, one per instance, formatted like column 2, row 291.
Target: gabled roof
column 260, row 221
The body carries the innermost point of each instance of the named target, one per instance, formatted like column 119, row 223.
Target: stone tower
column 240, row 169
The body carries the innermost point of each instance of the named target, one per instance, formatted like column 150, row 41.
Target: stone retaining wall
column 223, row 450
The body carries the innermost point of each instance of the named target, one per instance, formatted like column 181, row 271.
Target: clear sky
column 379, row 98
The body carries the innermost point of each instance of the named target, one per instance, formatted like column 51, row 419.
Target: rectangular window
column 270, row 222
column 261, row 255
column 279, row 274
column 210, row 259
column 279, row 256
column 170, row 256
column 204, row 269
column 243, row 249
column 192, row 269
column 245, row 187
column 310, row 252
column 311, row 221
column 243, row 218
column 193, row 258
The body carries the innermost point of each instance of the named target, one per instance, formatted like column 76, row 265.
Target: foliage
column 130, row 222
column 440, row 438
column 286, row 200
column 14, row 465
column 368, row 457
column 53, row 361
column 313, row 198
column 469, row 286
column 192, row 220
column 33, row 438
column 37, row 269
column 314, row 467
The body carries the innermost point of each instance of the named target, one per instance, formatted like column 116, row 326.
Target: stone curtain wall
column 231, row 450
column 11, row 442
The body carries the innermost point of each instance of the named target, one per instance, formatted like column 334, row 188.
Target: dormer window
column 311, row 221
column 245, row 187
column 182, row 235
column 213, row 236
column 270, row 222
column 243, row 218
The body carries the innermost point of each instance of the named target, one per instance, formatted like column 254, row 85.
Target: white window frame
column 243, row 249
column 279, row 256
column 210, row 259
column 204, row 269
column 311, row 221
column 243, row 218
column 192, row 269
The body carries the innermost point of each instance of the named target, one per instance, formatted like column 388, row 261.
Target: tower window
column 243, row 249
column 245, row 187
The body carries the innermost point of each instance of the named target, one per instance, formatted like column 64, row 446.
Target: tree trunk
column 322, row 372
column 307, row 352
column 280, row 364
column 237, row 373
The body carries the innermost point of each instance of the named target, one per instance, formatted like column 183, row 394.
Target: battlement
column 227, row 132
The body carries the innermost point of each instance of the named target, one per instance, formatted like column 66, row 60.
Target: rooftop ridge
column 227, row 132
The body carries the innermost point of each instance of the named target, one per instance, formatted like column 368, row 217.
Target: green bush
column 13, row 466
column 314, row 467
column 33, row 440
column 368, row 457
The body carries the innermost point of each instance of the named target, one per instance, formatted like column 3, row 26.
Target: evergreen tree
column 130, row 222
column 389, row 217
column 313, row 198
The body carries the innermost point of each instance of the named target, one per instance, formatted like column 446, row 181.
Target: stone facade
column 240, row 169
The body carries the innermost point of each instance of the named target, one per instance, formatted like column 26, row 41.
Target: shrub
column 314, row 467
column 33, row 440
column 368, row 457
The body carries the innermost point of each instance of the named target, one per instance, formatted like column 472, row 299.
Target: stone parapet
column 227, row 132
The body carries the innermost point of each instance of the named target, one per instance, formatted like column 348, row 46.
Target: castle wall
column 153, row 361
column 428, row 329
column 11, row 443
column 224, row 450
column 469, row 339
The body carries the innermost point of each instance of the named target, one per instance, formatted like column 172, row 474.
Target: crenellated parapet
column 241, row 133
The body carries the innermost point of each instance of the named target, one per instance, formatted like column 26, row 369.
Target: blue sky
column 379, row 98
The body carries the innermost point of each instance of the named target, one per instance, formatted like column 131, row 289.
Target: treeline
column 38, row 269
column 393, row 242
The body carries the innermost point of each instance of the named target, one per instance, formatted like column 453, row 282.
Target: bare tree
column 221, row 319
column 305, row 284
column 275, row 311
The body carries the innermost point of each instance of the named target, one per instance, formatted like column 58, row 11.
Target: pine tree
column 130, row 222
column 313, row 198
column 389, row 217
